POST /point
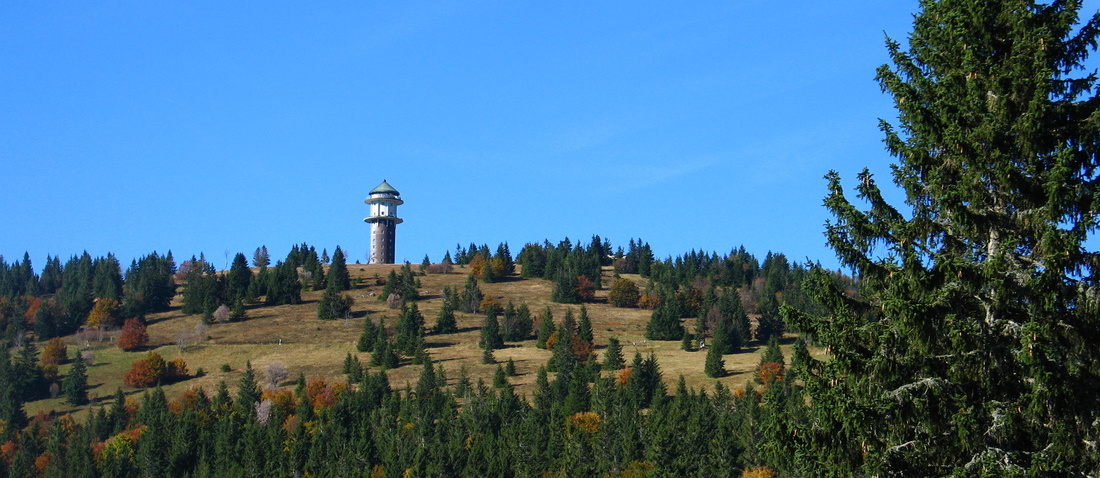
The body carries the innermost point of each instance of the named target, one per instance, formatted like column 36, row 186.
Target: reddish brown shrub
column 146, row 371
column 586, row 289
column 133, row 336
column 322, row 394
column 649, row 302
column 55, row 352
column 477, row 265
column 489, row 303
column 769, row 372
column 624, row 377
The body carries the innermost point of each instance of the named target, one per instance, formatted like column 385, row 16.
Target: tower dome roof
column 384, row 188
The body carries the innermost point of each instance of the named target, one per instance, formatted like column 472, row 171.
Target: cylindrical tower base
column 382, row 241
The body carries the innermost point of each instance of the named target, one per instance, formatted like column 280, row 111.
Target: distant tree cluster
column 574, row 270
column 403, row 285
column 62, row 299
column 483, row 265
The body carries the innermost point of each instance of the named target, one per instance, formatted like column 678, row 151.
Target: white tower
column 383, row 201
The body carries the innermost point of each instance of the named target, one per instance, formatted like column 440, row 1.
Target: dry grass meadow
column 293, row 336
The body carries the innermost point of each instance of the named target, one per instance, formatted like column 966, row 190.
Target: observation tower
column 383, row 201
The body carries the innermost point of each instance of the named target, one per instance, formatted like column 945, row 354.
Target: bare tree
column 182, row 338
column 200, row 333
column 263, row 411
column 393, row 301
column 275, row 373
column 221, row 314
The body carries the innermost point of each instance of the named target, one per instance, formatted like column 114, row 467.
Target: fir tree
column 11, row 397
column 664, row 323
column 261, row 258
column 333, row 304
column 338, row 271
column 500, row 378
column 283, row 286
column 686, row 342
column 445, row 323
column 462, row 384
column 248, row 392
column 584, row 326
column 975, row 302
column 490, row 332
column 368, row 337
column 75, row 385
column 613, row 356
column 384, row 355
column 409, row 328
column 715, row 366
column 471, row 296
column 238, row 280
column 238, row 312
column 546, row 328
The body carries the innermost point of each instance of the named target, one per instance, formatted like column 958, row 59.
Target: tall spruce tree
column 338, row 271
column 75, row 385
column 613, row 355
column 239, row 279
column 490, row 332
column 971, row 348
column 546, row 328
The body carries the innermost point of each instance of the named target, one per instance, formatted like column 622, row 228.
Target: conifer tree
column 546, row 328
column 445, row 323
column 490, row 332
column 238, row 312
column 686, row 342
column 11, row 397
column 471, row 296
column 462, row 384
column 239, row 279
column 384, row 355
column 368, row 337
column 333, row 304
column 248, row 392
column 977, row 309
column 261, row 258
column 613, row 356
column 338, row 271
column 715, row 366
column 584, row 326
column 283, row 286
column 664, row 323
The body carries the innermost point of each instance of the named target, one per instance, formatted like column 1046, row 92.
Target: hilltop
column 294, row 337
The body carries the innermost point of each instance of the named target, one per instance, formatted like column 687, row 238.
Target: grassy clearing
column 293, row 336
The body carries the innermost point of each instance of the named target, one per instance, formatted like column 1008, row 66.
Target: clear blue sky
column 129, row 127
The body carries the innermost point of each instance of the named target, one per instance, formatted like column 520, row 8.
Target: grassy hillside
column 293, row 336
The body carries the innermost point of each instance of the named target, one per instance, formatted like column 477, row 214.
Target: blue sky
column 129, row 127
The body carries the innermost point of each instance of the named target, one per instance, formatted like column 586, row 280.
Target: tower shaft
column 383, row 201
